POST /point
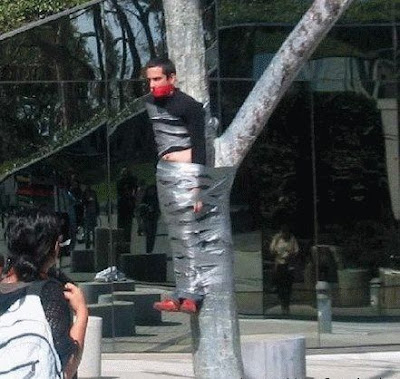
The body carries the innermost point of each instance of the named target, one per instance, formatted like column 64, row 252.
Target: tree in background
column 14, row 13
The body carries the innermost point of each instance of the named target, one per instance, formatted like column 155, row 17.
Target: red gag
column 163, row 91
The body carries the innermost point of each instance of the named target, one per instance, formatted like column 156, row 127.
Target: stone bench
column 121, row 312
column 274, row 357
column 144, row 312
column 92, row 290
column 124, row 285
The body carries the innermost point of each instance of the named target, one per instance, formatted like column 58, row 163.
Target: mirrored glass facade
column 74, row 127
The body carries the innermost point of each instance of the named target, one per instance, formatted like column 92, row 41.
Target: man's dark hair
column 31, row 237
column 166, row 64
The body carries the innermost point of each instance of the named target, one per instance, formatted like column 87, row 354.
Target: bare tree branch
column 233, row 145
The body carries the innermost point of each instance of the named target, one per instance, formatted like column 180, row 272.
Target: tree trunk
column 215, row 332
column 99, row 33
column 186, row 46
column 187, row 51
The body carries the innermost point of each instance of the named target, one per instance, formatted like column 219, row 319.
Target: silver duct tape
column 165, row 136
column 201, row 242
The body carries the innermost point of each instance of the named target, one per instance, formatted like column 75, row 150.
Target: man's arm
column 194, row 117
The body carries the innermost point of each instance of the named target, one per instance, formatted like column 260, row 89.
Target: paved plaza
column 377, row 365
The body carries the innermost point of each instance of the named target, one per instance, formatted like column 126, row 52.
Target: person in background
column 91, row 212
column 126, row 201
column 72, row 223
column 33, row 245
column 284, row 248
column 150, row 214
column 141, row 190
column 77, row 193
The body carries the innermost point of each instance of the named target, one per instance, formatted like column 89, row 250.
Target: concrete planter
column 390, row 285
column 353, row 286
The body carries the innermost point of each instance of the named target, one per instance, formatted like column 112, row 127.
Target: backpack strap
column 36, row 287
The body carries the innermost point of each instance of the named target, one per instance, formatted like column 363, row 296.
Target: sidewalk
column 326, row 357
column 173, row 335
column 381, row 365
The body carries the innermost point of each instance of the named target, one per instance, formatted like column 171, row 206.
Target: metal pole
column 324, row 306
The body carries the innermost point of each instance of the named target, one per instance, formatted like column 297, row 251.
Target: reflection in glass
column 328, row 163
column 290, row 11
column 65, row 55
column 37, row 119
column 134, row 34
column 63, row 50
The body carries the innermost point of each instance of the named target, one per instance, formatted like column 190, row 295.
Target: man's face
column 156, row 78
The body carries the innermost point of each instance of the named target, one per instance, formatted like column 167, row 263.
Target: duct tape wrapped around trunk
column 201, row 242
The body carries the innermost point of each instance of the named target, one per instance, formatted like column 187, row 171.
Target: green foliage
column 267, row 40
column 290, row 11
column 237, row 11
column 366, row 244
column 14, row 13
column 50, row 146
column 40, row 118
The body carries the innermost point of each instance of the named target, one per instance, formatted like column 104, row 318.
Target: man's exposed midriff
column 183, row 156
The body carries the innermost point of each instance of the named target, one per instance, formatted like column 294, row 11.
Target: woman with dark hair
column 33, row 245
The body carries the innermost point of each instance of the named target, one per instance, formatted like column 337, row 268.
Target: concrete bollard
column 274, row 357
column 374, row 290
column 90, row 366
column 324, row 307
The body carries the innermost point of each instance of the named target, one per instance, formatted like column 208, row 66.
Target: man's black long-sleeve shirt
column 185, row 112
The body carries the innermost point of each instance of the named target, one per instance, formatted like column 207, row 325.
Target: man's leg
column 199, row 242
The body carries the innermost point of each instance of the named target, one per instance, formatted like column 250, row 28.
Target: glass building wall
column 327, row 164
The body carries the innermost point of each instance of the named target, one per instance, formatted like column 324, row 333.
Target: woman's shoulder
column 52, row 290
column 52, row 283
column 54, row 303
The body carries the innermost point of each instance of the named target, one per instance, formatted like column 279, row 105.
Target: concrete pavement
column 377, row 365
column 368, row 365
column 173, row 334
column 146, row 366
column 325, row 352
column 325, row 358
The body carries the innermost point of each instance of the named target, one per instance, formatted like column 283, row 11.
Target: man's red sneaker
column 189, row 306
column 167, row 305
